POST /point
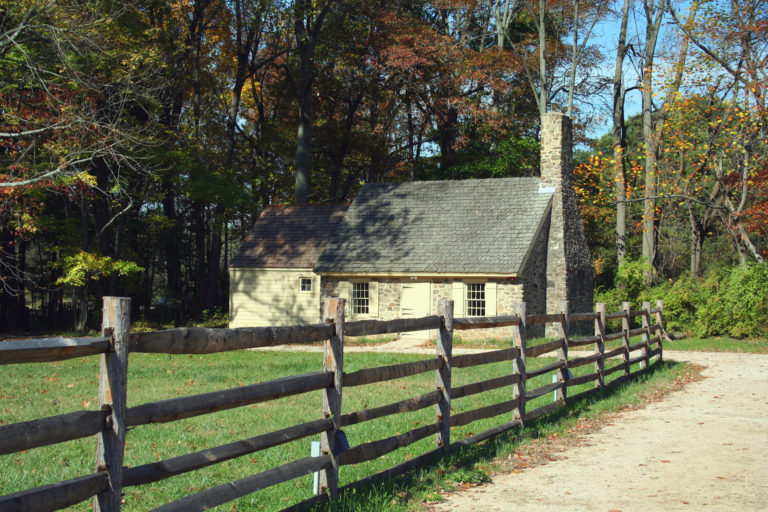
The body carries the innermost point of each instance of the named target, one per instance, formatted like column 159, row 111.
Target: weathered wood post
column 113, row 384
column 519, row 336
column 562, row 352
column 646, row 335
column 443, row 375
column 626, row 307
column 333, row 311
column 660, row 323
column 600, row 309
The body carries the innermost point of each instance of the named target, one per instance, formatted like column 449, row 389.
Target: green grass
column 719, row 344
column 38, row 390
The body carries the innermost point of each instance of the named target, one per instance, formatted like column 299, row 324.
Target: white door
column 415, row 303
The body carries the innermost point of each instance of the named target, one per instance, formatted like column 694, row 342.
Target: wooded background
column 139, row 140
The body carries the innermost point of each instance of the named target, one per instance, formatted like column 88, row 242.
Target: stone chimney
column 570, row 275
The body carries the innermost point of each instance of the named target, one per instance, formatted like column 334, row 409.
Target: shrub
column 730, row 301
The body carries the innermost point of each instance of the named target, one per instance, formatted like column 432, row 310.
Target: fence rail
column 113, row 418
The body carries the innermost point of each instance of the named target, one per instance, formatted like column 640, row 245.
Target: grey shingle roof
column 288, row 236
column 471, row 226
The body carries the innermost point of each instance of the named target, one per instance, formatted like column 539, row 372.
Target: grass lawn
column 37, row 390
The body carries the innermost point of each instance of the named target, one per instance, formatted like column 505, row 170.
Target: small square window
column 360, row 299
column 476, row 299
column 305, row 284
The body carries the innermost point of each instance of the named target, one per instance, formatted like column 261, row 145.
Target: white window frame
column 358, row 308
column 301, row 284
column 476, row 299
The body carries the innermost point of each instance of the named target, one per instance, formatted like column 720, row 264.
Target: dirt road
column 703, row 448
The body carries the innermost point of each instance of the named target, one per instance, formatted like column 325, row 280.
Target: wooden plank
column 113, row 396
column 395, row 371
column 55, row 496
column 583, row 379
column 615, row 316
column 50, row 349
column 600, row 307
column 635, row 332
column 520, row 338
column 659, row 319
column 485, row 385
column 530, row 395
column 225, row 493
column 544, row 369
column 562, row 353
column 543, row 319
column 409, row 405
column 636, row 312
column 655, row 310
column 375, row 449
column 626, row 307
column 195, row 405
column 485, row 322
column 333, row 364
column 155, row 471
column 580, row 342
column 636, row 360
column 371, row 327
column 614, row 336
column 485, row 412
column 54, row 429
column 654, row 352
column 198, row 340
column 646, row 322
column 612, row 369
column 656, row 340
column 444, row 352
column 581, row 361
column 494, row 356
column 537, row 350
column 541, row 411
column 637, row 346
column 580, row 317
column 615, row 352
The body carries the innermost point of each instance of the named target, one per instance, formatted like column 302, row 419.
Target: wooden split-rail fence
column 113, row 418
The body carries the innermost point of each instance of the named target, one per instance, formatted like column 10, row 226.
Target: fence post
column 660, row 323
column 626, row 307
column 443, row 375
column 562, row 352
column 600, row 308
column 113, row 383
column 333, row 311
column 519, row 336
column 647, row 334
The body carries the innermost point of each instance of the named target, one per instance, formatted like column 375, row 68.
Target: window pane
column 476, row 299
column 305, row 284
column 360, row 298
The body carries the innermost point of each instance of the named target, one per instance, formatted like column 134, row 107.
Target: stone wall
column 570, row 275
column 390, row 292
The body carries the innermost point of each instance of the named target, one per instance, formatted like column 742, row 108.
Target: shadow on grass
column 421, row 477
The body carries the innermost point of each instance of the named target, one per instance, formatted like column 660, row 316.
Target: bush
column 730, row 301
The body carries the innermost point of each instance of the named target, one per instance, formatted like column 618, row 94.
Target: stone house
column 401, row 247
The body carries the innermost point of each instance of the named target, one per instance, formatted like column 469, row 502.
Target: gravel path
column 702, row 448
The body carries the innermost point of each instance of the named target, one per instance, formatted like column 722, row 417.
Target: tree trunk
column 172, row 255
column 653, row 16
column 307, row 30
column 620, row 139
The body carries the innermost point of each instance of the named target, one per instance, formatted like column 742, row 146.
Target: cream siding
column 261, row 297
